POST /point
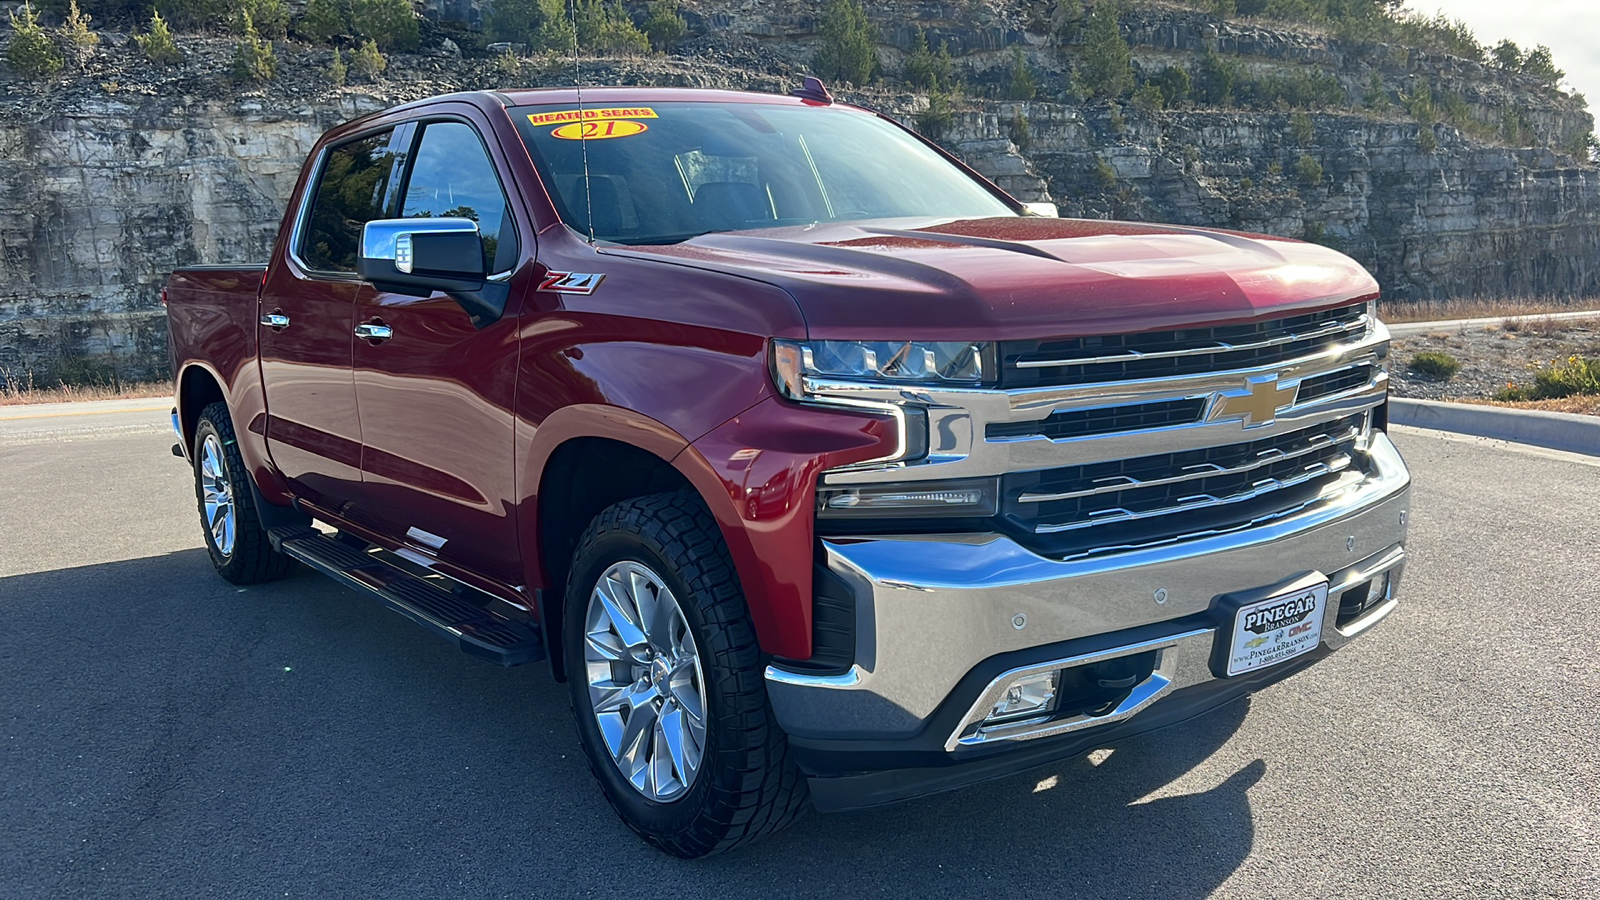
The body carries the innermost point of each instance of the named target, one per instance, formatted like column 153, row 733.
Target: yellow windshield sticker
column 586, row 115
column 595, row 131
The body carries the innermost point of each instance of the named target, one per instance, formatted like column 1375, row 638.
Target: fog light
column 1027, row 696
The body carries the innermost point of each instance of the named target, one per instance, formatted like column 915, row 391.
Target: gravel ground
column 1490, row 357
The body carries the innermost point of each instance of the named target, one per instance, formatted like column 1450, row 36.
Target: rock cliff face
column 112, row 176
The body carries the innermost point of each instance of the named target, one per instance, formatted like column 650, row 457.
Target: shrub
column 391, row 24
column 1308, row 170
column 1302, row 127
column 665, row 26
column 1433, row 364
column 76, row 36
column 1541, row 65
column 934, row 121
column 157, row 45
column 1426, row 141
column 1107, row 68
column 1573, row 376
column 253, row 59
column 337, row 73
column 270, row 17
column 926, row 70
column 1218, row 77
column 1149, row 97
column 606, row 28
column 1020, row 131
column 1376, row 96
column 849, row 45
column 31, row 53
column 1507, row 55
column 367, row 61
column 1174, row 84
column 1022, row 85
column 1104, row 175
column 323, row 21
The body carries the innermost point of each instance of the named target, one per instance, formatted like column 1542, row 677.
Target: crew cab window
column 453, row 176
column 350, row 193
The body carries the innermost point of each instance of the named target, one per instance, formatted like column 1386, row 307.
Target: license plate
column 1277, row 629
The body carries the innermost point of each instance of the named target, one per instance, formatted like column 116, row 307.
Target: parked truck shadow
column 168, row 734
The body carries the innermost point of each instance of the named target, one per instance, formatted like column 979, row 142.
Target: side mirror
column 419, row 256
column 1046, row 210
column 416, row 257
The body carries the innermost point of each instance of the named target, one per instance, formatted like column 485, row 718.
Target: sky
column 1570, row 28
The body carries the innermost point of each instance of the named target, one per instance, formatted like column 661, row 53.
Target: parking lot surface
column 165, row 734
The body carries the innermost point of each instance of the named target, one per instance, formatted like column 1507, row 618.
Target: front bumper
column 943, row 621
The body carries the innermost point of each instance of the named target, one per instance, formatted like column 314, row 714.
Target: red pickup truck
column 819, row 467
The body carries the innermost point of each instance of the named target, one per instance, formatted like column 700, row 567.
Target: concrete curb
column 1408, row 329
column 1556, row 431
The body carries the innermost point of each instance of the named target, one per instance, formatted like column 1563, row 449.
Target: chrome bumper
column 931, row 608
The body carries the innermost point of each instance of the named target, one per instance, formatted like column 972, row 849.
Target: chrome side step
column 449, row 613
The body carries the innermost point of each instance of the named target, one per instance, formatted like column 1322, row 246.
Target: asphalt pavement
column 164, row 734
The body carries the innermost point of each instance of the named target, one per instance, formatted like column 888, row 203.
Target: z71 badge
column 571, row 282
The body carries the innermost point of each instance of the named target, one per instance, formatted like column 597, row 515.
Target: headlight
column 930, row 363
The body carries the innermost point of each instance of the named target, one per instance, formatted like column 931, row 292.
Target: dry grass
column 1584, row 406
column 14, row 394
column 1440, row 310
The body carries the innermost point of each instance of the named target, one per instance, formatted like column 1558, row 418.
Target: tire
column 745, row 786
column 234, row 537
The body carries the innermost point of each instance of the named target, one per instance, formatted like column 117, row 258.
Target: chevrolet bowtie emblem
column 1257, row 404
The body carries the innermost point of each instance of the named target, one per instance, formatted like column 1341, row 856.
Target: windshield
column 666, row 172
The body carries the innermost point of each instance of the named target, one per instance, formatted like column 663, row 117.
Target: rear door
column 436, row 397
column 307, row 322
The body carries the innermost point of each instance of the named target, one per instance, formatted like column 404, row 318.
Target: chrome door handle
column 275, row 320
column 374, row 332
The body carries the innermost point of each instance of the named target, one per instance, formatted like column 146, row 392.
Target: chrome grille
column 1151, row 499
column 1163, row 354
column 1103, row 420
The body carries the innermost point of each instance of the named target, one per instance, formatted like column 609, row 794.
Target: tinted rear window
column 350, row 193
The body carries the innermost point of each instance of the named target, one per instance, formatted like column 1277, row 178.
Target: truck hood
column 1022, row 278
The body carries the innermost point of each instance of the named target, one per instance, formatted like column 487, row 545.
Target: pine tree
column 253, row 59
column 31, row 53
column 336, row 70
column 665, row 27
column 849, row 44
column 1107, row 61
column 158, row 45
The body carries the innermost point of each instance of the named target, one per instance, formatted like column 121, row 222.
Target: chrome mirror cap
column 391, row 239
column 1041, row 208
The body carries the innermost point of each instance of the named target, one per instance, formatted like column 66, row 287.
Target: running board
column 449, row 614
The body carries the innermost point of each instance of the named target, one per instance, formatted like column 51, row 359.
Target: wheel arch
column 197, row 387
column 585, row 463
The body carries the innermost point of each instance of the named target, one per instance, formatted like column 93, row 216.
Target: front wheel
column 234, row 537
column 666, row 678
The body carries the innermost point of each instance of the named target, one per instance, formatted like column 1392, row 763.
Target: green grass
column 1434, row 364
column 1572, row 377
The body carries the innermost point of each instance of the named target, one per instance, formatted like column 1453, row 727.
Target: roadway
column 165, row 734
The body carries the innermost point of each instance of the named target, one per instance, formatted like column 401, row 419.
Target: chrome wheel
column 645, row 685
column 217, row 495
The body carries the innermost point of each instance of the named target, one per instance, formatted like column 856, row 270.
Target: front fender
column 757, row 473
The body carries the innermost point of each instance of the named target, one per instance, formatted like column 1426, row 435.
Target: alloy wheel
column 217, row 495
column 646, row 688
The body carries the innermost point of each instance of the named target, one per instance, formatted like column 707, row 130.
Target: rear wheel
column 234, row 537
column 666, row 680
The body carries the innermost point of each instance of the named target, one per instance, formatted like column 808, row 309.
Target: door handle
column 275, row 319
column 374, row 331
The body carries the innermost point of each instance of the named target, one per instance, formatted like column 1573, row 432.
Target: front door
column 436, row 396
column 308, row 309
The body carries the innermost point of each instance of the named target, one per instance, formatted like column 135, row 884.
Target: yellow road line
column 87, row 412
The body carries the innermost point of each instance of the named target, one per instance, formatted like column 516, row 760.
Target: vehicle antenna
column 583, row 133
